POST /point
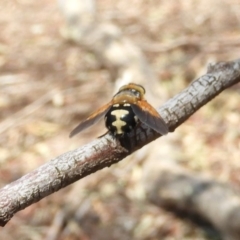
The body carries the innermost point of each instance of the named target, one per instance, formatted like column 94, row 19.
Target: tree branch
column 103, row 152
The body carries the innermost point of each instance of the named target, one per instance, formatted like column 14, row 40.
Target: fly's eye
column 135, row 92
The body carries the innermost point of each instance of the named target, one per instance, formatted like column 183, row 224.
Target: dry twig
column 74, row 165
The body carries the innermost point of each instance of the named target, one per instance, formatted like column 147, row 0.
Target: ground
column 44, row 79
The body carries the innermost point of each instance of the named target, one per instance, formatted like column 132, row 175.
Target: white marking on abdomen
column 118, row 123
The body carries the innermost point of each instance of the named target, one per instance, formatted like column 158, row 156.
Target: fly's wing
column 148, row 115
column 93, row 118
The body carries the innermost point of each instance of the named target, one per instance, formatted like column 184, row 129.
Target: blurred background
column 51, row 79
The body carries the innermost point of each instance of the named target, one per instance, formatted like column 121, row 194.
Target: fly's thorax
column 120, row 119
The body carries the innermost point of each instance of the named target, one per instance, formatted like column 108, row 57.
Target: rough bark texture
column 105, row 151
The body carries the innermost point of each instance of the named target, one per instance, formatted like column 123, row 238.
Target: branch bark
column 105, row 151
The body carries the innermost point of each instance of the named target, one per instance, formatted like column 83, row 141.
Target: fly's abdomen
column 120, row 119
